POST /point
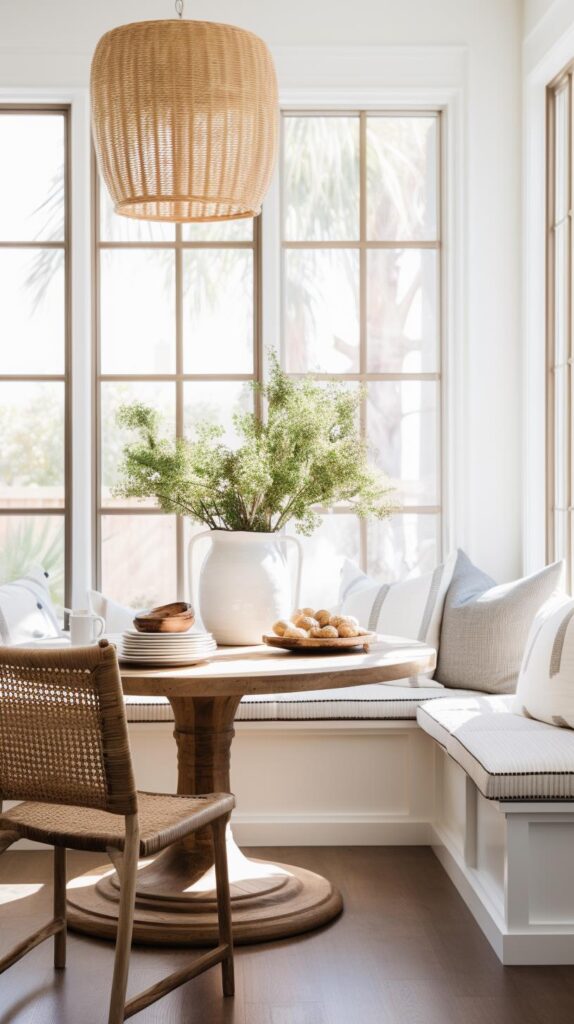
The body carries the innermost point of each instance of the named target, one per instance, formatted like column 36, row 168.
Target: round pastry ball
column 295, row 633
column 335, row 620
column 280, row 626
column 323, row 617
column 345, row 629
column 306, row 622
column 309, row 611
column 329, row 631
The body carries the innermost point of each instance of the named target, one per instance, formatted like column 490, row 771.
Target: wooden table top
column 233, row 671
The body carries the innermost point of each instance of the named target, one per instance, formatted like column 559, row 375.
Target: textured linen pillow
column 26, row 609
column 546, row 682
column 485, row 627
column 410, row 608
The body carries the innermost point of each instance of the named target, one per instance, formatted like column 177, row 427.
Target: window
column 35, row 483
column 177, row 328
column 361, row 303
column 559, row 321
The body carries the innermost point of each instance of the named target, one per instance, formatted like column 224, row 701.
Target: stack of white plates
column 172, row 649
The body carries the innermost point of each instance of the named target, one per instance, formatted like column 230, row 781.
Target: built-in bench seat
column 375, row 701
column 509, row 757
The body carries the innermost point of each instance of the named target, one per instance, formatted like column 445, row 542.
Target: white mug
column 85, row 627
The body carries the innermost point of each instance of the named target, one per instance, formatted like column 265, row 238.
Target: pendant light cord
column 179, row 8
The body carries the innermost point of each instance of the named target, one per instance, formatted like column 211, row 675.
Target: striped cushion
column 411, row 607
column 545, row 688
column 508, row 757
column 372, row 701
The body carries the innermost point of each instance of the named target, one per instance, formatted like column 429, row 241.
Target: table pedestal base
column 269, row 901
column 175, row 896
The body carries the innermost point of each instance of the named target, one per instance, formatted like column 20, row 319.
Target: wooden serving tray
column 326, row 644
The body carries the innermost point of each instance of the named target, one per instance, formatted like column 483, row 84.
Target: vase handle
column 190, row 547
column 285, row 539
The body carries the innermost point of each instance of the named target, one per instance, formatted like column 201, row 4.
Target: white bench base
column 513, row 865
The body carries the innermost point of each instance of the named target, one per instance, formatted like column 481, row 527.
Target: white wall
column 49, row 44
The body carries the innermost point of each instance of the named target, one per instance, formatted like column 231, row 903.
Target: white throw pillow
column 117, row 617
column 545, row 688
column 410, row 608
column 26, row 609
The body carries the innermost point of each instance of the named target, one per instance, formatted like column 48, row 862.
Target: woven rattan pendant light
column 184, row 119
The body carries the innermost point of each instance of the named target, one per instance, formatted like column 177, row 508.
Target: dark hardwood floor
column 405, row 951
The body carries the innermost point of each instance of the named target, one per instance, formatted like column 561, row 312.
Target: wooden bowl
column 167, row 618
column 328, row 645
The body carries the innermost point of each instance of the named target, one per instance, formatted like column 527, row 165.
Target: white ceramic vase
column 244, row 584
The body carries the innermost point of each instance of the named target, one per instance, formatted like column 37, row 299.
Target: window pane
column 402, row 311
column 139, row 559
column 561, row 290
column 218, row 311
column 32, row 448
column 561, row 528
column 219, row 231
column 337, row 538
column 32, row 176
column 322, row 310
column 561, row 467
column 137, row 311
column 117, row 228
column 32, row 310
column 160, row 396
column 402, row 427
column 561, row 177
column 33, row 540
column 404, row 545
column 216, row 402
column 321, row 178
column 401, row 178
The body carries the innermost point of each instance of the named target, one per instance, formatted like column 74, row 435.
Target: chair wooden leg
column 223, row 904
column 60, row 905
column 125, row 922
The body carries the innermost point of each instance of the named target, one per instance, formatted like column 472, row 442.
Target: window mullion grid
column 179, row 399
column 569, row 268
column 363, row 534
column 63, row 511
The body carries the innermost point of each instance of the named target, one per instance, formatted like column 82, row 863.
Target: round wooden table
column 175, row 902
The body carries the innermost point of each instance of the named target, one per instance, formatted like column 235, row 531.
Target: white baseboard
column 316, row 830
column 329, row 830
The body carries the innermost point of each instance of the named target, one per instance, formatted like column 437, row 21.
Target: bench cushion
column 508, row 757
column 371, row 701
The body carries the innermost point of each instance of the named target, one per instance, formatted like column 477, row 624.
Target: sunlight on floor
column 11, row 893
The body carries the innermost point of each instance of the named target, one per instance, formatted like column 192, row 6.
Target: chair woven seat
column 163, row 820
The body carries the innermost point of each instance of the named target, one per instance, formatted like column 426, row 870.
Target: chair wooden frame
column 124, row 856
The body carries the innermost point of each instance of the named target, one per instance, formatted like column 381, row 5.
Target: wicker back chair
column 64, row 752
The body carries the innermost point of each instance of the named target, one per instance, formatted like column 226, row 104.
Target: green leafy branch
column 307, row 452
